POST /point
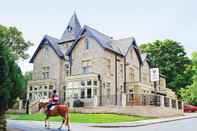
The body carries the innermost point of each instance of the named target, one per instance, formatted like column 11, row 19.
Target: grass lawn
column 81, row 118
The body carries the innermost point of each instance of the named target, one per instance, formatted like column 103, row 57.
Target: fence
column 154, row 100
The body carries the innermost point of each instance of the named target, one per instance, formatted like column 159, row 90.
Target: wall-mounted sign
column 154, row 74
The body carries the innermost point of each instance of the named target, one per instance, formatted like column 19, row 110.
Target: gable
column 50, row 41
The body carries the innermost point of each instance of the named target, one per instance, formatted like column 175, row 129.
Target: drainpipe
column 116, row 82
column 100, row 85
column 125, row 75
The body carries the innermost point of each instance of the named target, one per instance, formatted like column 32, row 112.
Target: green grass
column 81, row 118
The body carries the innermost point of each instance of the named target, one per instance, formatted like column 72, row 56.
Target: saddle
column 52, row 107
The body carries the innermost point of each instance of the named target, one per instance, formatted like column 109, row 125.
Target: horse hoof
column 59, row 128
column 68, row 129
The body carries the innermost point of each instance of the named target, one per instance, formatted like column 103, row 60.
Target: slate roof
column 53, row 43
column 120, row 47
column 76, row 28
column 144, row 56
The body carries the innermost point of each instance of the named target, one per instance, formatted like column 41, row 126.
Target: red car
column 190, row 108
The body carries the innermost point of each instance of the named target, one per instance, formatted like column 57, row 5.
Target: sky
column 146, row 20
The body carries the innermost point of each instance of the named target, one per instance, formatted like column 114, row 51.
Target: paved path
column 180, row 125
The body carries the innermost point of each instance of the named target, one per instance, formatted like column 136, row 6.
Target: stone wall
column 150, row 111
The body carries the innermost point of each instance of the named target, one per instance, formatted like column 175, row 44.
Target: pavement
column 181, row 123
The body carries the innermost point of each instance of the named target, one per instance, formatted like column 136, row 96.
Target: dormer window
column 69, row 28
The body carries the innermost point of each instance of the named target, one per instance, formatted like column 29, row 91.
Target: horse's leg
column 45, row 121
column 67, row 121
column 61, row 125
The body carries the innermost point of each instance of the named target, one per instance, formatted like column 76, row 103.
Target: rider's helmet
column 54, row 91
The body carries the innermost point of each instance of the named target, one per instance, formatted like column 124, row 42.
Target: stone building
column 88, row 65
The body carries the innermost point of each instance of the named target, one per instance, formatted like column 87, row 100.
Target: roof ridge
column 98, row 31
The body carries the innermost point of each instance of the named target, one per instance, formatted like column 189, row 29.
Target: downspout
column 125, row 74
column 116, row 82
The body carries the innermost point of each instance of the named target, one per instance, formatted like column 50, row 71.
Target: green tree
column 5, row 86
column 13, row 39
column 172, row 61
column 12, row 83
column 189, row 94
column 27, row 77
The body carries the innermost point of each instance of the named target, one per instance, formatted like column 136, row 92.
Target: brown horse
column 59, row 110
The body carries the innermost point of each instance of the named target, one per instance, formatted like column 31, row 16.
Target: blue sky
column 146, row 20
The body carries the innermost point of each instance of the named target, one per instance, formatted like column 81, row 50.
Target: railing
column 141, row 99
column 154, row 100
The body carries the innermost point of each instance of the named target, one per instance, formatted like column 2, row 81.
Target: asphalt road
column 180, row 125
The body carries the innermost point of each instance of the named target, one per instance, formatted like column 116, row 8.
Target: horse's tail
column 67, row 118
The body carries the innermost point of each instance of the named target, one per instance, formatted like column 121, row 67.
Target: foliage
column 189, row 94
column 82, row 118
column 12, row 47
column 13, row 39
column 27, row 77
column 11, row 77
column 4, row 79
column 172, row 61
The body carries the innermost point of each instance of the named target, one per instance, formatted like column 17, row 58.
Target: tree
column 13, row 39
column 27, row 77
column 12, row 84
column 5, row 86
column 189, row 94
column 172, row 61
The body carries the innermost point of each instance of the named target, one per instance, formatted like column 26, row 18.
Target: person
column 54, row 100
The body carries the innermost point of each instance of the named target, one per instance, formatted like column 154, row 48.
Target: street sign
column 154, row 74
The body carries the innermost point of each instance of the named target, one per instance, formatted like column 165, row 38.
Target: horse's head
column 42, row 105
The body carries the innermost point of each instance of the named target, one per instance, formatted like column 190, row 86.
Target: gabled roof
column 52, row 42
column 75, row 29
column 145, row 58
column 119, row 47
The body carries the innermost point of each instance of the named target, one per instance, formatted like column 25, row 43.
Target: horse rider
column 54, row 100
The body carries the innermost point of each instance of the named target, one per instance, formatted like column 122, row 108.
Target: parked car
column 190, row 108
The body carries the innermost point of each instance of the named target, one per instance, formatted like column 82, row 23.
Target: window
column 87, row 45
column 45, row 87
column 45, row 72
column 82, row 93
column 95, row 83
column 121, row 70
column 51, row 87
column 46, row 49
column 30, row 88
column 89, row 82
column 45, row 93
column 108, row 66
column 86, row 69
column 69, row 28
column 35, row 89
column 89, row 93
column 82, row 83
column 67, row 69
column 86, row 66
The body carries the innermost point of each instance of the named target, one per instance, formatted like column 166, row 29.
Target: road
column 180, row 125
